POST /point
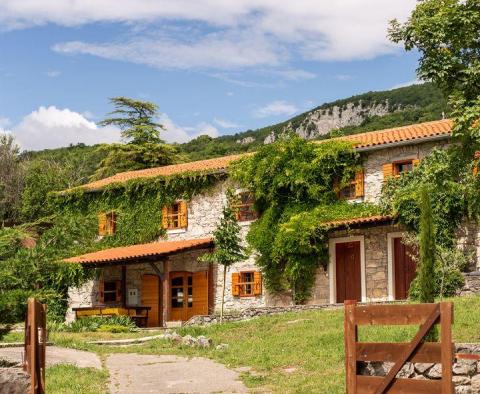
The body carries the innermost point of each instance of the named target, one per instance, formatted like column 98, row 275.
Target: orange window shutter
column 118, row 288
column 257, row 282
column 416, row 162
column 475, row 167
column 183, row 214
column 101, row 287
column 235, row 287
column 164, row 218
column 359, row 184
column 387, row 171
column 102, row 223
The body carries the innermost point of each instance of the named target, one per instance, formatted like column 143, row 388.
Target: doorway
column 188, row 294
column 404, row 268
column 151, row 298
column 348, row 278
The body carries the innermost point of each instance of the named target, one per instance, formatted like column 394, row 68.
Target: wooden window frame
column 357, row 184
column 395, row 167
column 243, row 283
column 175, row 220
column 251, row 213
column 117, row 292
column 110, row 223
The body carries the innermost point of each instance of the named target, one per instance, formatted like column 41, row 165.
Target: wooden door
column 348, row 271
column 151, row 297
column 189, row 294
column 405, row 268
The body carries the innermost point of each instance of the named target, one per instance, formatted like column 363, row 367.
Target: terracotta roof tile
column 399, row 134
column 162, row 248
column 364, row 140
column 358, row 221
column 210, row 165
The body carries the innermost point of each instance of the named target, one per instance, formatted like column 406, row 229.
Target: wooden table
column 138, row 313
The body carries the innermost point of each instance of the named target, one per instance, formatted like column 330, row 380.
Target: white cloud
column 409, row 83
column 176, row 133
column 226, row 124
column 52, row 73
column 230, row 94
column 343, row 77
column 294, row 75
column 275, row 108
column 4, row 122
column 234, row 33
column 51, row 127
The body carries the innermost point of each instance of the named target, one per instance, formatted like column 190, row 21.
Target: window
column 107, row 223
column 110, row 291
column 402, row 166
column 244, row 207
column 247, row 284
column 175, row 216
column 355, row 189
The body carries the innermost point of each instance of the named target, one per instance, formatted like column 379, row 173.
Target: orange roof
column 133, row 252
column 358, row 221
column 437, row 128
column 210, row 165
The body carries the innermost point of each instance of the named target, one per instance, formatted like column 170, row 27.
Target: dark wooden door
column 405, row 268
column 348, row 271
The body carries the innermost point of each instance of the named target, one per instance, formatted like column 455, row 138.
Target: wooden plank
column 351, row 337
column 393, row 314
column 368, row 385
column 427, row 352
column 467, row 356
column 166, row 293
column 424, row 329
column 446, row 311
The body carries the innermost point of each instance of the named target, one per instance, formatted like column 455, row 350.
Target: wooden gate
column 35, row 343
column 425, row 315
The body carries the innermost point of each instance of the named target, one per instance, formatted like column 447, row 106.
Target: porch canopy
column 139, row 253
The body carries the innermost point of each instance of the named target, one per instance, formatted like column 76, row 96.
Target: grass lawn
column 67, row 379
column 289, row 353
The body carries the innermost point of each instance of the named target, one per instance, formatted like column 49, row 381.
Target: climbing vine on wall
column 293, row 182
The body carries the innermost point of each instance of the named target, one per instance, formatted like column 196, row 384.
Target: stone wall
column 373, row 162
column 466, row 372
column 472, row 284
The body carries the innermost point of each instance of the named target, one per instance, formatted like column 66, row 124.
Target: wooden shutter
column 475, row 167
column 164, row 218
column 257, row 283
column 118, row 288
column 200, row 293
column 183, row 219
column 387, row 171
column 102, row 223
column 235, row 280
column 359, row 184
column 101, row 288
column 416, row 162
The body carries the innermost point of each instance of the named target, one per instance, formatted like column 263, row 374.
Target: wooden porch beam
column 156, row 269
column 166, row 292
column 124, row 286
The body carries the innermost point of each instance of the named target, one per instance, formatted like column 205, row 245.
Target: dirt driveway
column 134, row 373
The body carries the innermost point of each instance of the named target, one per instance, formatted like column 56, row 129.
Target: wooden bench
column 139, row 314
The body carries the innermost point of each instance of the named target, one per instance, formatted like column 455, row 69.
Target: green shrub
column 113, row 328
column 13, row 305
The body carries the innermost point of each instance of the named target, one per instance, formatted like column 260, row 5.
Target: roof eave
column 415, row 141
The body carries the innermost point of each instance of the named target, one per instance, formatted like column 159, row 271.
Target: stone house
column 368, row 261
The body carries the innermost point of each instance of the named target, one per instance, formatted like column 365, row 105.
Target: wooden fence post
column 351, row 338
column 446, row 318
column 34, row 348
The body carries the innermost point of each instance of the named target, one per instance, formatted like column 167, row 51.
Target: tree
column 135, row 119
column 445, row 32
column 144, row 149
column 426, row 270
column 228, row 246
column 10, row 180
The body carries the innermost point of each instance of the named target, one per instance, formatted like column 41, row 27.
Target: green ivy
column 293, row 182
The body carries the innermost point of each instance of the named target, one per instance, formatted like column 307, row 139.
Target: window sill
column 177, row 231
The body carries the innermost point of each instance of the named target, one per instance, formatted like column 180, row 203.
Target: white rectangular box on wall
column 132, row 297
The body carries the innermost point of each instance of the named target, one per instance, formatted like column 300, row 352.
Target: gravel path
column 134, row 373
column 57, row 355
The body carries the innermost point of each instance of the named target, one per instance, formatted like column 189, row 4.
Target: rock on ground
column 134, row 373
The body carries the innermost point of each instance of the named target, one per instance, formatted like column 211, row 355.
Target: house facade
column 165, row 280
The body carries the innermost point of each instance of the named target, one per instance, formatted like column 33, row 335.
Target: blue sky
column 214, row 67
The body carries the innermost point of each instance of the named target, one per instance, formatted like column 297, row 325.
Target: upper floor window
column 244, row 207
column 398, row 168
column 175, row 216
column 107, row 222
column 354, row 189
